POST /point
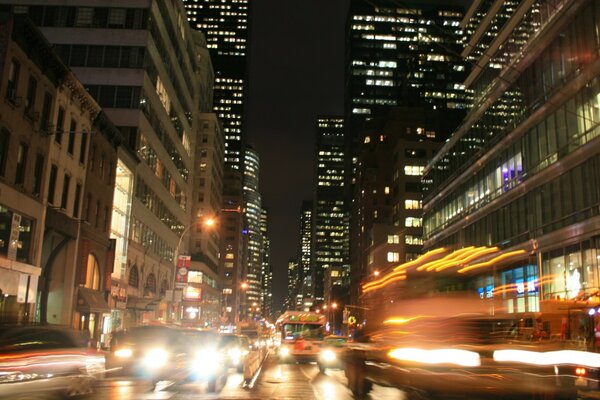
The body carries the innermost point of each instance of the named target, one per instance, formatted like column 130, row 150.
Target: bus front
column 301, row 336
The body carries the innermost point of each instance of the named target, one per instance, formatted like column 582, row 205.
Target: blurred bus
column 301, row 335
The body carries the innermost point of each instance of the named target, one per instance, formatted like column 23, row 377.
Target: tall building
column 386, row 225
column 529, row 190
column 267, row 269
column 139, row 61
column 232, row 247
column 403, row 54
column 225, row 24
column 331, row 218
column 252, row 215
column 293, row 278
column 306, row 251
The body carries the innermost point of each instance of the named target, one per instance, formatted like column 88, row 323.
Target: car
column 235, row 349
column 330, row 355
column 47, row 362
column 207, row 358
column 457, row 356
column 156, row 353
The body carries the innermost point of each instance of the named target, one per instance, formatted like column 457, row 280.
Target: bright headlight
column 207, row 361
column 235, row 353
column 328, row 355
column 123, row 353
column 284, row 352
column 156, row 358
column 437, row 356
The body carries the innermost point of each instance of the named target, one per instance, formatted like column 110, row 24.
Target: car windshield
column 335, row 341
column 228, row 340
column 305, row 331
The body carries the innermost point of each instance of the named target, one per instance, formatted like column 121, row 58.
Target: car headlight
column 156, row 358
column 207, row 361
column 284, row 352
column 328, row 355
column 123, row 353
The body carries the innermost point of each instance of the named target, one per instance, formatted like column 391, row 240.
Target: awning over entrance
column 91, row 301
column 141, row 304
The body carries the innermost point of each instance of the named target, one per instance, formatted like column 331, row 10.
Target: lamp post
column 209, row 222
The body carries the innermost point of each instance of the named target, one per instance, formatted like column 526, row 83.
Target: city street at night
column 275, row 381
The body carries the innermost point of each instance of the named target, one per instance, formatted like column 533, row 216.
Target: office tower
column 306, row 251
column 232, row 245
column 266, row 269
column 293, row 278
column 331, row 218
column 225, row 24
column 386, row 224
column 252, row 211
column 403, row 54
column 139, row 61
column 531, row 188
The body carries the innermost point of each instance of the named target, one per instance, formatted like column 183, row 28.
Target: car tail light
column 580, row 371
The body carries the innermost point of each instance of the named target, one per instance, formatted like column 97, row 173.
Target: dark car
column 156, row 353
column 331, row 353
column 46, row 362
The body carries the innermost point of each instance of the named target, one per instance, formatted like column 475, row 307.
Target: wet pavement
column 275, row 381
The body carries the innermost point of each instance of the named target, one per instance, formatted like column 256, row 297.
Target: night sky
column 296, row 74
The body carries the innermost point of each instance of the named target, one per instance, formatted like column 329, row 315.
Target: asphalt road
column 275, row 381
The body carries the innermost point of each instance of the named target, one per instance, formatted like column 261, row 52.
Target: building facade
column 225, row 24
column 331, row 218
column 521, row 172
column 139, row 62
column 267, row 268
column 306, row 251
column 252, row 214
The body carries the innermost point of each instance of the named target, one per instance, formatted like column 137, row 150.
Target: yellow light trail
column 492, row 261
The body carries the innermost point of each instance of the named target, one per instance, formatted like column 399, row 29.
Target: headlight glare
column 328, row 355
column 123, row 353
column 156, row 358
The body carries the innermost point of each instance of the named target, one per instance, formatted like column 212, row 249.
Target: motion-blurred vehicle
column 39, row 362
column 301, row 335
column 156, row 353
column 207, row 358
column 235, row 349
column 464, row 356
column 332, row 352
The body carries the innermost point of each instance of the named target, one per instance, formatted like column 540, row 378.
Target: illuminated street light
column 376, row 273
column 324, row 306
column 334, row 305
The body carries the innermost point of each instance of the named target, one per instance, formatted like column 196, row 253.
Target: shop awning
column 141, row 303
column 89, row 300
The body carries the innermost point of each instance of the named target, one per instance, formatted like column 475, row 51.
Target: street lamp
column 209, row 222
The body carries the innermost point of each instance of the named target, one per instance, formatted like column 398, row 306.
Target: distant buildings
column 330, row 216
column 267, row 267
column 226, row 26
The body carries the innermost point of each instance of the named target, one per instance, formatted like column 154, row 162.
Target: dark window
column 37, row 175
column 30, row 99
column 65, row 192
column 4, row 141
column 415, row 153
column 13, row 79
column 413, row 186
column 77, row 200
column 60, row 125
column 78, row 56
column 82, row 153
column 45, row 117
column 97, row 214
column 101, row 166
column 134, row 277
column 106, row 218
column 88, row 207
column 92, row 159
column 21, row 163
column 94, row 58
column 111, row 56
column 52, row 183
column 72, row 130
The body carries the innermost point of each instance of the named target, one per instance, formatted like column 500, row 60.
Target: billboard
column 181, row 275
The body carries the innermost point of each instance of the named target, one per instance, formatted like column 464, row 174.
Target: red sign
column 181, row 275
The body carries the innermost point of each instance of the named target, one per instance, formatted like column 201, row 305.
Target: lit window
column 386, row 190
column 412, row 204
column 393, row 256
column 393, row 239
column 413, row 170
column 412, row 222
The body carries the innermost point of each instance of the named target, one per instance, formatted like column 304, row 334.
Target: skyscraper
column 306, row 252
column 225, row 24
column 403, row 54
column 331, row 218
column 252, row 216
column 267, row 269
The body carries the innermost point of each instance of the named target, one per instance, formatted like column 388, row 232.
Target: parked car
column 46, row 362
